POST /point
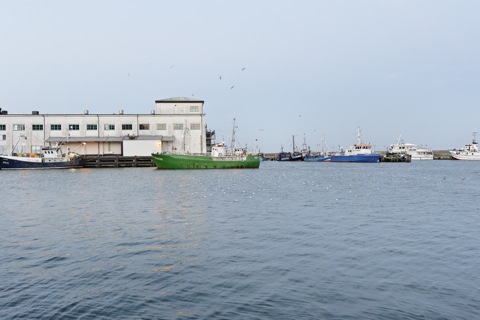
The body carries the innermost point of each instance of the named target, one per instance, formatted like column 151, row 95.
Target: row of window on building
column 76, row 127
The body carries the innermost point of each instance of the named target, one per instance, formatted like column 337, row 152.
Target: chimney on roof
column 35, row 113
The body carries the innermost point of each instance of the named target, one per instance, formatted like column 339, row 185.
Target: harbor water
column 286, row 241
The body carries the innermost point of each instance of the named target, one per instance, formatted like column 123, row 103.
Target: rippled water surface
column 287, row 241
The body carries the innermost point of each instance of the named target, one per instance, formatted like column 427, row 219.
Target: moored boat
column 415, row 152
column 469, row 152
column 49, row 158
column 220, row 157
column 290, row 156
column 320, row 157
column 360, row 152
column 217, row 160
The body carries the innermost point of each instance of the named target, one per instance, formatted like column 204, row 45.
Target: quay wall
column 117, row 161
column 437, row 155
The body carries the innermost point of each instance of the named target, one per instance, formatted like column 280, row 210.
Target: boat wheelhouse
column 469, row 152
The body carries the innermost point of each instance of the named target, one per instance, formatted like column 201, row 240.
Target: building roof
column 179, row 100
column 109, row 139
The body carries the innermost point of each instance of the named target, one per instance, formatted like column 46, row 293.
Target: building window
column 3, row 127
column 91, row 127
column 4, row 137
column 194, row 126
column 18, row 127
column 55, row 127
column 178, row 126
column 194, row 109
column 127, row 127
column 144, row 126
column 37, row 127
column 161, row 126
column 74, row 127
column 109, row 127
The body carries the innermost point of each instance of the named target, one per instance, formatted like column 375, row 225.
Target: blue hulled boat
column 316, row 157
column 360, row 152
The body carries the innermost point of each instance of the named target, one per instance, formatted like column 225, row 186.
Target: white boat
column 469, row 152
column 415, row 152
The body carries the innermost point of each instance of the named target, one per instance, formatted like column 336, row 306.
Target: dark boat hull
column 7, row 163
column 287, row 156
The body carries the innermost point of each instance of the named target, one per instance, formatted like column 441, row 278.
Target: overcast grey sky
column 314, row 69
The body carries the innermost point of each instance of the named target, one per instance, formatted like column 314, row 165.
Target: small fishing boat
column 360, row 152
column 49, row 158
column 316, row 157
column 321, row 156
column 469, row 152
column 221, row 157
column 295, row 155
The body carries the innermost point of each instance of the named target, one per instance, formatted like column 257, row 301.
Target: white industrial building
column 177, row 125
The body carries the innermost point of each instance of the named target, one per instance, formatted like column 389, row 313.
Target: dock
column 437, row 155
column 116, row 161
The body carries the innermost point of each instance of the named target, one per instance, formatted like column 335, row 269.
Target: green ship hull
column 173, row 161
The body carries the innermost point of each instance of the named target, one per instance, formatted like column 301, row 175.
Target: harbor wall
column 437, row 155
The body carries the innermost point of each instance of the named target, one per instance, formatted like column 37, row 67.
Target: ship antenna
column 233, row 135
column 474, row 137
column 359, row 135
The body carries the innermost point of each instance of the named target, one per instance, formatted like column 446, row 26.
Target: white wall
column 141, row 147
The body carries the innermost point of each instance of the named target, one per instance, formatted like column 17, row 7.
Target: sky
column 313, row 70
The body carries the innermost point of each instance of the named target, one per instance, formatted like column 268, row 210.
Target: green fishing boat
column 220, row 157
column 176, row 161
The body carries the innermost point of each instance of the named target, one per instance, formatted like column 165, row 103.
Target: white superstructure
column 175, row 125
column 469, row 152
column 416, row 152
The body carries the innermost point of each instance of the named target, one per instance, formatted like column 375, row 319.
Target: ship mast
column 359, row 135
column 232, row 144
column 185, row 131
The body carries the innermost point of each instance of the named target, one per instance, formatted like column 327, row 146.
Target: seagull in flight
column 244, row 68
column 232, row 87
